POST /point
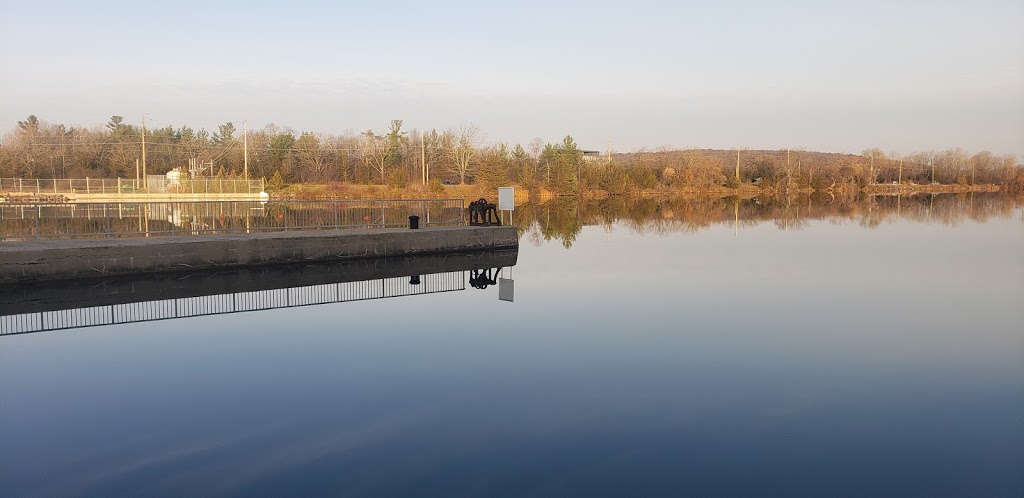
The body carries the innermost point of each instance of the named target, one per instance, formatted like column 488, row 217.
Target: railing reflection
column 229, row 303
column 90, row 304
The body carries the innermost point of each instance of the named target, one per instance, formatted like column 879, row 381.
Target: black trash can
column 414, row 222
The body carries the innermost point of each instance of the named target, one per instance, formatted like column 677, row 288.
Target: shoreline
column 311, row 191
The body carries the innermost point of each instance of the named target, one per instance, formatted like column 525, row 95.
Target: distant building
column 174, row 177
column 591, row 155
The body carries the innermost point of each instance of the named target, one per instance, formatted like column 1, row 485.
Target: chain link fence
column 154, row 184
column 90, row 220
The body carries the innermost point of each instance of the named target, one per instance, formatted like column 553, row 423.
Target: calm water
column 698, row 348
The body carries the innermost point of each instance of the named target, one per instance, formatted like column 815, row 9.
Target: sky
column 901, row 75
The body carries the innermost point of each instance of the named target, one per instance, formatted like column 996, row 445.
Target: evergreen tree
column 493, row 170
column 562, row 163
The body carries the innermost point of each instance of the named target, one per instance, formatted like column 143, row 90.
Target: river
column 709, row 347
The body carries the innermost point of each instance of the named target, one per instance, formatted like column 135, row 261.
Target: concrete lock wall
column 62, row 259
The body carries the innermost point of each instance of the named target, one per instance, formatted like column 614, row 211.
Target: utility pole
column 423, row 156
column 931, row 162
column 871, row 168
column 899, row 180
column 737, row 165
column 245, row 148
column 136, row 187
column 789, row 176
column 145, row 181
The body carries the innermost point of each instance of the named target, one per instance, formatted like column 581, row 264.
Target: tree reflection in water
column 564, row 219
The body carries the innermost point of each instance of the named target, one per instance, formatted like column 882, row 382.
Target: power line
column 229, row 146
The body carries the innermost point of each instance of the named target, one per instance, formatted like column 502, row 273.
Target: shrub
column 276, row 183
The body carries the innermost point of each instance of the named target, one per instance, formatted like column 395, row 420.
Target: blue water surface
column 832, row 359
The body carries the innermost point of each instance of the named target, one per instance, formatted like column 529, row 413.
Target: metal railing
column 156, row 184
column 238, row 302
column 37, row 221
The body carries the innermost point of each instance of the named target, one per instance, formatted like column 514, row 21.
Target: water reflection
column 827, row 360
column 88, row 303
column 563, row 220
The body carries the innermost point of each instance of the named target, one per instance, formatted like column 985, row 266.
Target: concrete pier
column 67, row 259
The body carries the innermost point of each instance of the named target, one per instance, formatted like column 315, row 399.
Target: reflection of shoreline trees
column 563, row 220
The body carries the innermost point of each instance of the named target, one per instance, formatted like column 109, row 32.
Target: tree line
column 399, row 157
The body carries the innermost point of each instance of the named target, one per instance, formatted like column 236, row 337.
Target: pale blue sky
column 900, row 75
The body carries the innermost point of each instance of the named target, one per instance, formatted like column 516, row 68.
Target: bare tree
column 462, row 150
column 874, row 157
column 536, row 147
column 373, row 150
column 313, row 156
